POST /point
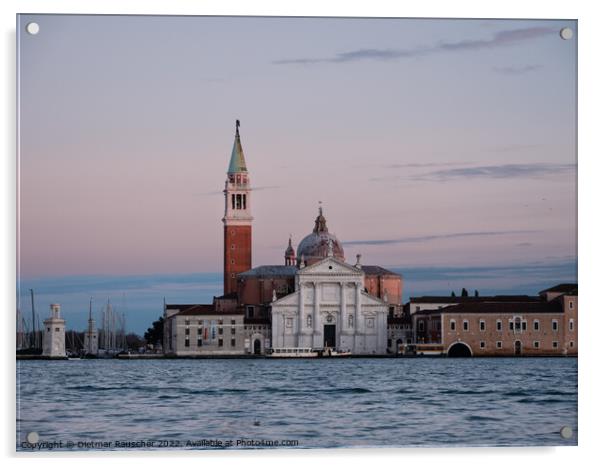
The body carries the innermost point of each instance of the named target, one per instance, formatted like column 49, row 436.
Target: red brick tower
column 237, row 217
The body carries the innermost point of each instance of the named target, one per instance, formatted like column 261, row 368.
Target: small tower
column 289, row 254
column 54, row 334
column 91, row 336
column 237, row 217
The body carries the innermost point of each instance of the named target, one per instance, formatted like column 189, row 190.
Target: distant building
column 541, row 325
column 91, row 337
column 54, row 334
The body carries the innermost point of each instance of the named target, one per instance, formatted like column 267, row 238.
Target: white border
column 589, row 167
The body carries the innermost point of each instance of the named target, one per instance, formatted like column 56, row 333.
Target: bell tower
column 237, row 217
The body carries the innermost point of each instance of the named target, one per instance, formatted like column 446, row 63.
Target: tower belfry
column 237, row 217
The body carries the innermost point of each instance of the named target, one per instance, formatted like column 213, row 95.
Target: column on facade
column 358, row 305
column 344, row 320
column 300, row 317
column 314, row 320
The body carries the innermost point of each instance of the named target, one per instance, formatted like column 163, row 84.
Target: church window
column 57, row 329
column 554, row 344
column 482, row 344
column 465, row 325
column 289, row 322
column 309, row 321
column 555, row 325
column 187, row 331
column 244, row 201
column 570, row 304
column 571, row 325
column 511, row 325
column 536, row 325
column 572, row 344
column 232, row 322
column 238, row 201
column 482, row 325
column 48, row 329
column 370, row 323
column 350, row 321
column 233, row 342
column 233, row 201
column 524, row 325
column 187, row 342
column 498, row 325
column 421, row 325
column 199, row 342
column 220, row 331
column 452, row 325
column 536, row 344
column 498, row 344
column 232, row 331
column 220, row 342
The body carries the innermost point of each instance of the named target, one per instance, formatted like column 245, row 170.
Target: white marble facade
column 330, row 309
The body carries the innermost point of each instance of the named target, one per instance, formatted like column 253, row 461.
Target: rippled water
column 319, row 403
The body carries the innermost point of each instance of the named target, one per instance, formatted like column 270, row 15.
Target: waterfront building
column 543, row 325
column 317, row 300
column 54, row 334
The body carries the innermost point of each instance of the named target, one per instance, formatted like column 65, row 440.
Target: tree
column 154, row 334
column 464, row 293
column 476, row 293
column 453, row 294
column 134, row 341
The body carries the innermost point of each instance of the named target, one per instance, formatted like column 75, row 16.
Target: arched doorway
column 459, row 350
column 257, row 346
column 518, row 348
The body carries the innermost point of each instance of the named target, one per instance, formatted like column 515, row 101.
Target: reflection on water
column 319, row 403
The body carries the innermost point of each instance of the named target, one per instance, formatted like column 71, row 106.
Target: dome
column 315, row 246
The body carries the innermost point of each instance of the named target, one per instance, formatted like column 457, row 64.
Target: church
column 314, row 300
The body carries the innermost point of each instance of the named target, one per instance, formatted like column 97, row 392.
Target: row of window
column 536, row 344
column 201, row 322
column 515, row 325
column 199, row 342
column 220, row 331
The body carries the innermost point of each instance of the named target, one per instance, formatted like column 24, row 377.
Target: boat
column 293, row 353
column 334, row 353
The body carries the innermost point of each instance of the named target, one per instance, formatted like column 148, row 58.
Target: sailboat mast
column 33, row 320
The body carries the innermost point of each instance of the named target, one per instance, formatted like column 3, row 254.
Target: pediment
column 331, row 266
column 288, row 300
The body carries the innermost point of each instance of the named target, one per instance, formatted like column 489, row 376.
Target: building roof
column 270, row 271
column 377, row 270
column 499, row 307
column 237, row 159
column 471, row 299
column 232, row 295
column 562, row 288
column 199, row 309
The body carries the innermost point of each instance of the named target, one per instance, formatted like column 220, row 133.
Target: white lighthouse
column 54, row 334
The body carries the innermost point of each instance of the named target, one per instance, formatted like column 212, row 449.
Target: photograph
column 263, row 232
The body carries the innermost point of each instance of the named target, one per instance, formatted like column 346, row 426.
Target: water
column 317, row 403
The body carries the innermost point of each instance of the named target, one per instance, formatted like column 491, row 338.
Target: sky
column 442, row 149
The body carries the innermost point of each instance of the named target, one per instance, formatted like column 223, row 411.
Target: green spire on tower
column 237, row 160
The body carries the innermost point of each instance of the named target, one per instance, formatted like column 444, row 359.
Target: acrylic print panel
column 247, row 232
